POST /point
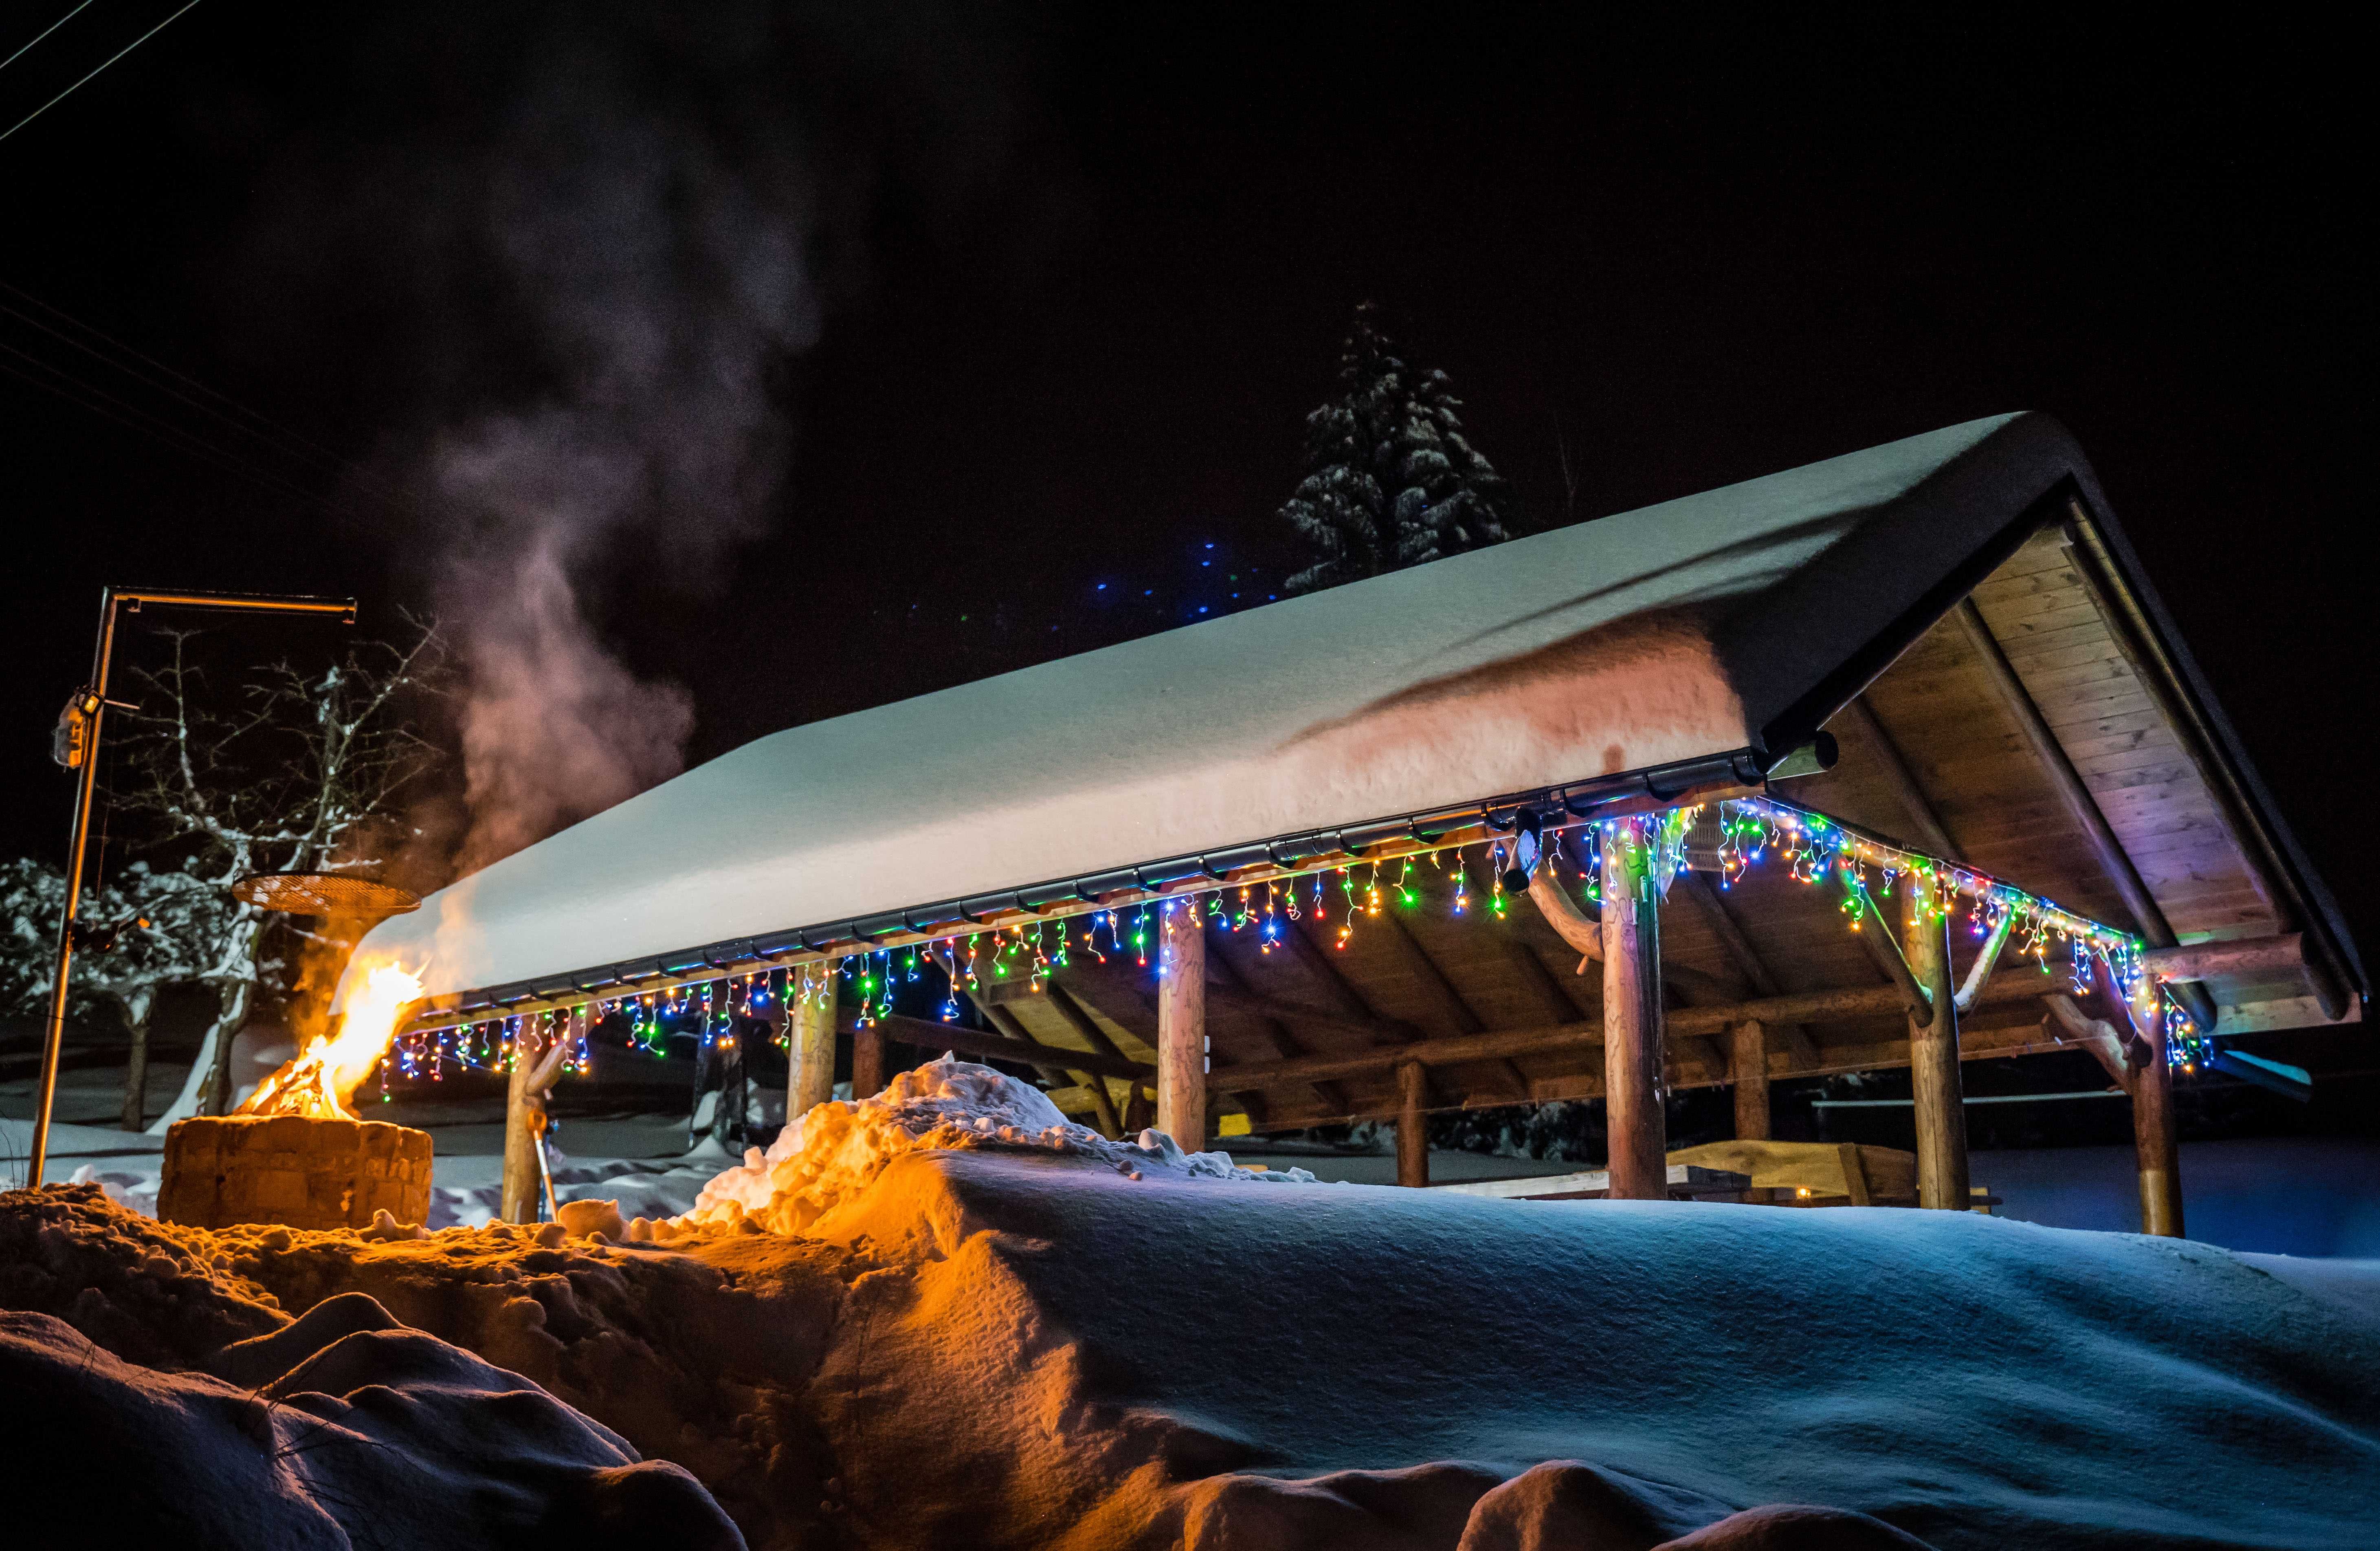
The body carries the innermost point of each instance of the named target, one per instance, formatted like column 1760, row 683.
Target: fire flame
column 331, row 1067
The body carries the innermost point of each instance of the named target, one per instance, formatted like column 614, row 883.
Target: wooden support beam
column 1892, row 960
column 1933, row 1077
column 1077, row 1017
column 1573, row 926
column 2098, row 1036
column 1748, row 1069
column 1413, row 1127
column 1633, row 1058
column 537, row 1055
column 938, row 1037
column 1182, row 1025
column 1807, row 1007
column 807, row 1022
column 2239, row 955
column 2079, row 804
column 868, row 1075
column 1979, row 974
column 2154, row 1144
column 1926, row 824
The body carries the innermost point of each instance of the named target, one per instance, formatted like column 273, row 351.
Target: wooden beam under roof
column 1874, row 1001
column 1894, row 766
column 926, row 1034
column 2081, row 806
column 1228, row 987
column 1425, row 968
column 1704, row 897
column 1997, row 1042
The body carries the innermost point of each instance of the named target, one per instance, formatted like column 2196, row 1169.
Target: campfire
column 324, row 1076
column 295, row 1152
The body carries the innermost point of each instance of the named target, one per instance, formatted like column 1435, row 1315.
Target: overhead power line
column 44, row 33
column 87, row 80
column 178, row 410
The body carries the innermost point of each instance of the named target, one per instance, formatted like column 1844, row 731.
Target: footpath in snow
column 947, row 1317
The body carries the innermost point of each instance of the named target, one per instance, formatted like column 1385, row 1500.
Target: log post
column 522, row 1194
column 1632, row 1055
column 2153, row 1142
column 1748, row 1069
column 136, row 1071
column 1412, row 1130
column 1934, row 1078
column 808, row 1015
column 867, row 1077
column 1181, row 1024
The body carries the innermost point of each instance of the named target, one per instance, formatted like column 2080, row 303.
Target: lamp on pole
column 77, row 750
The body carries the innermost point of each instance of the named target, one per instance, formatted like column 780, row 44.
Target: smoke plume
column 659, row 279
column 577, row 246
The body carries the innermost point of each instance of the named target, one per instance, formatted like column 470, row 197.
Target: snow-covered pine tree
column 1390, row 480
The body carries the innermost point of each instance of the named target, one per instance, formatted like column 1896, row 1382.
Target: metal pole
column 53, row 1036
column 102, row 655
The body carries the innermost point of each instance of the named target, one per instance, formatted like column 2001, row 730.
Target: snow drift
column 338, row 1429
column 1003, row 1337
column 829, row 1156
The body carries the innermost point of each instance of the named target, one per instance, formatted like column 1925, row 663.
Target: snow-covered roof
column 1703, row 636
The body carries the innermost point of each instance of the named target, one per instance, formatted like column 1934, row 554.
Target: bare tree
column 311, row 773
column 141, row 933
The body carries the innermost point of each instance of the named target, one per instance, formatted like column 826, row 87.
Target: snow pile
column 150, row 1387
column 830, row 1155
column 1016, row 1346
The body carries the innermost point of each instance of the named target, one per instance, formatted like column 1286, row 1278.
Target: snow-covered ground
column 993, row 1330
column 2281, row 1196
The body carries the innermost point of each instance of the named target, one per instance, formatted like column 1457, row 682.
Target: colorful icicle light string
column 1814, row 849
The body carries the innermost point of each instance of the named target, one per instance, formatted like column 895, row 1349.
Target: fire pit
column 295, row 1154
column 293, row 1169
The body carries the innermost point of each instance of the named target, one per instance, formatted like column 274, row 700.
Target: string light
column 1813, row 849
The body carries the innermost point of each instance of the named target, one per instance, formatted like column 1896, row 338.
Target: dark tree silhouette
column 1391, row 481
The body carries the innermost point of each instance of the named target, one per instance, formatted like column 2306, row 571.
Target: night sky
column 1067, row 279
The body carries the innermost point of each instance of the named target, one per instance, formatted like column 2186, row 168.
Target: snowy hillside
column 987, row 1336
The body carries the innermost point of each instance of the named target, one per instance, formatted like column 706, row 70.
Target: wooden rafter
column 1457, row 1011
column 2079, row 804
column 1703, row 895
column 926, row 1034
column 1228, row 986
column 1924, row 820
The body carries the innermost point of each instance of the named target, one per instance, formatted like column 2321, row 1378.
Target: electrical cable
column 274, row 437
column 87, row 80
column 44, row 33
column 141, row 420
column 273, row 433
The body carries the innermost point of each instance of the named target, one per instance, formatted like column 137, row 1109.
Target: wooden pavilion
column 1274, row 866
